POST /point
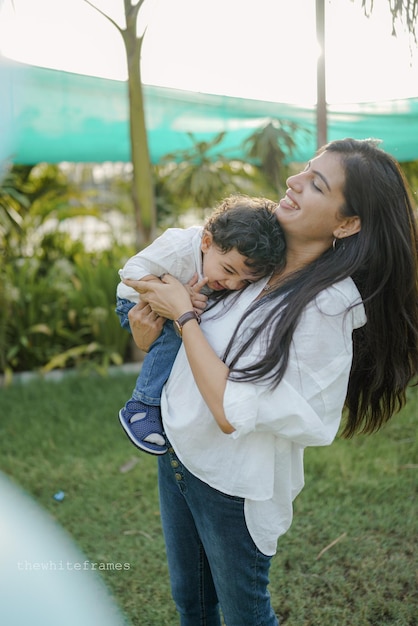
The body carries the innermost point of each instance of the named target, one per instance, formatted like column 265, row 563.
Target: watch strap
column 186, row 317
column 183, row 319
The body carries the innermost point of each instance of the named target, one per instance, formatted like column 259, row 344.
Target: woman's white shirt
column 262, row 461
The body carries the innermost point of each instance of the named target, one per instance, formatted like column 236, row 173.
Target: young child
column 240, row 243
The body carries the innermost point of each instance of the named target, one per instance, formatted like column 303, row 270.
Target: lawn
column 350, row 558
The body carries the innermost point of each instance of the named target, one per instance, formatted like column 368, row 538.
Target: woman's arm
column 210, row 373
column 170, row 299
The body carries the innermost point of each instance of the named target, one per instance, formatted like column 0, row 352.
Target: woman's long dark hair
column 382, row 261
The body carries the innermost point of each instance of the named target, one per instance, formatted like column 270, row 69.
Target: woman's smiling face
column 310, row 211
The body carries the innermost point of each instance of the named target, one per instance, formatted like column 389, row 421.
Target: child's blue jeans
column 158, row 361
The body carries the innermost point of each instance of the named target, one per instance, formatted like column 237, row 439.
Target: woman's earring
column 341, row 244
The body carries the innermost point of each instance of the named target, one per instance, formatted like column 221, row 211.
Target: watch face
column 177, row 328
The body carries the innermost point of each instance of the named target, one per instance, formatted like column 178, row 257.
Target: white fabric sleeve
column 307, row 404
column 157, row 258
column 176, row 251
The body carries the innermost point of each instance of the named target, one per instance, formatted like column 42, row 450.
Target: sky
column 265, row 49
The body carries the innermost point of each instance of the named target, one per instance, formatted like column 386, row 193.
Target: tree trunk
column 143, row 198
column 142, row 182
column 321, row 101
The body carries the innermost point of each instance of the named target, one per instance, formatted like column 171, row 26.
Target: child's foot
column 142, row 423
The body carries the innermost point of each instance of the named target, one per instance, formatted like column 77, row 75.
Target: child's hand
column 199, row 300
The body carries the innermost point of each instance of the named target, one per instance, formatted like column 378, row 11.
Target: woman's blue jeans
column 213, row 562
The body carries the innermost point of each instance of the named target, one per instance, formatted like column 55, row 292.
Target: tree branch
column 404, row 10
column 132, row 10
column 115, row 24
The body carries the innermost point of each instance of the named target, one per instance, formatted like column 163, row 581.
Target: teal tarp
column 47, row 115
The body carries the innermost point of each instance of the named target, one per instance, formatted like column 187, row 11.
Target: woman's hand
column 146, row 326
column 167, row 297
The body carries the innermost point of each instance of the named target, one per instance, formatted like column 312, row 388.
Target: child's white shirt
column 177, row 252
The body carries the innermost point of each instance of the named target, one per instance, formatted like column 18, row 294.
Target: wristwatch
column 183, row 319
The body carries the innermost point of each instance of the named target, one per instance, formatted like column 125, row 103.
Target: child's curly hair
column 249, row 225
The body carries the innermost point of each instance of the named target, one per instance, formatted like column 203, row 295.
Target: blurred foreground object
column 44, row 579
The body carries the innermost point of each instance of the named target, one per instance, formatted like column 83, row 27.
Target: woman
column 263, row 378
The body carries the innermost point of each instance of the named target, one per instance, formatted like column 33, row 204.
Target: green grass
column 360, row 494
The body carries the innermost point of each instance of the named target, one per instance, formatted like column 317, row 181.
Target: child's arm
column 147, row 277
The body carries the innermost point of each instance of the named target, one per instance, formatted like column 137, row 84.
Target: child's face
column 225, row 270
